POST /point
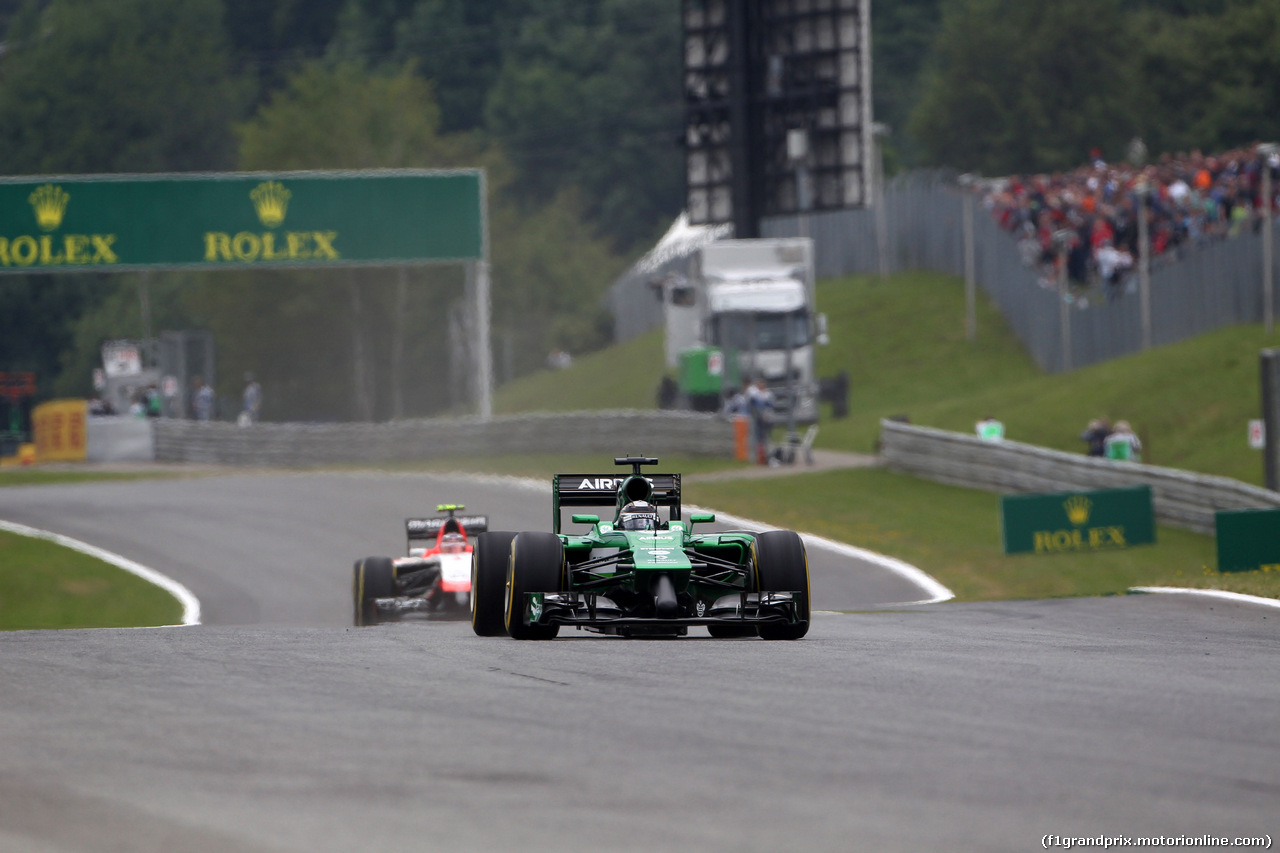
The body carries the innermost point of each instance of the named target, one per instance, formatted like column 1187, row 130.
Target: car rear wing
column 429, row 528
column 601, row 490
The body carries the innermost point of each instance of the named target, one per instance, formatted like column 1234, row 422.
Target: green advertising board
column 104, row 223
column 1074, row 522
column 1248, row 540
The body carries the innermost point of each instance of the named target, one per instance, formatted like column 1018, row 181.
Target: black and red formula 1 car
column 433, row 579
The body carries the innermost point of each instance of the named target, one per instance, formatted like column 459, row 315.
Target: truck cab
column 742, row 310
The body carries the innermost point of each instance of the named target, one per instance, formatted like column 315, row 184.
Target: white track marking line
column 935, row 591
column 1212, row 593
column 190, row 604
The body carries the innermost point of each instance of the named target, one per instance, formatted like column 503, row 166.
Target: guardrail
column 291, row 445
column 1181, row 499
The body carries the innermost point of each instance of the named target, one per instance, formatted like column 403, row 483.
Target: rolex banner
column 103, row 223
column 1072, row 522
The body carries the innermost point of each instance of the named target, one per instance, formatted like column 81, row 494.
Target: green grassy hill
column 903, row 344
column 625, row 376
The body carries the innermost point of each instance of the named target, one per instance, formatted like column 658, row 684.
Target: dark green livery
column 638, row 582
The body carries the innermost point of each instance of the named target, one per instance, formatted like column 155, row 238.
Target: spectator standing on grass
column 1123, row 445
column 1095, row 434
column 989, row 429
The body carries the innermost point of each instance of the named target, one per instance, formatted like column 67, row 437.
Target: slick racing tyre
column 536, row 564
column 781, row 566
column 488, row 582
column 374, row 578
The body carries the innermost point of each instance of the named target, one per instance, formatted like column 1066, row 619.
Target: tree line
column 1014, row 87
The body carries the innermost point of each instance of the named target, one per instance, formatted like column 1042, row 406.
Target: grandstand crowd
column 1087, row 218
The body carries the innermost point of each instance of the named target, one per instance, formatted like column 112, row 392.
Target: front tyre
column 373, row 578
column 489, row 557
column 536, row 564
column 782, row 566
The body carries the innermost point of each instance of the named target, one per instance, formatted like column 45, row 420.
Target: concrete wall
column 1181, row 499
column 609, row 433
column 120, row 438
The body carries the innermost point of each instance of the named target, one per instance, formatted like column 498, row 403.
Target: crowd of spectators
column 1087, row 218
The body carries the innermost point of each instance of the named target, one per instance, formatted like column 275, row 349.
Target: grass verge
column 44, row 585
column 46, row 476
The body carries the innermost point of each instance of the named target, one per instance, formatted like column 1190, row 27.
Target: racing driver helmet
column 638, row 515
column 453, row 543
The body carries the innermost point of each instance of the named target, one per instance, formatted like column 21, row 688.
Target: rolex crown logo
column 49, row 202
column 271, row 200
column 1077, row 507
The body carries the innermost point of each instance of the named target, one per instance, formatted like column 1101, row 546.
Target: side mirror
column 583, row 518
column 823, row 338
column 702, row 517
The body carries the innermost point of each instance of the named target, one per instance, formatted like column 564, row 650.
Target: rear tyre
column 373, row 578
column 489, row 557
column 782, row 566
column 536, row 565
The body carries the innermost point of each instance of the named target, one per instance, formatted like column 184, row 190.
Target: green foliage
column 550, row 272
column 581, row 96
column 269, row 41
column 1017, row 86
column 589, row 96
column 1211, row 76
column 97, row 87
column 460, row 45
column 343, row 117
column 901, row 34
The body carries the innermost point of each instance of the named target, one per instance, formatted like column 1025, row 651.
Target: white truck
column 741, row 310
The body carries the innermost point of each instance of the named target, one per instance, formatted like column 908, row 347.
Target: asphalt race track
column 276, row 727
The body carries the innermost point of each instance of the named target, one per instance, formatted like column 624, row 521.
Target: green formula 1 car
column 637, row 573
